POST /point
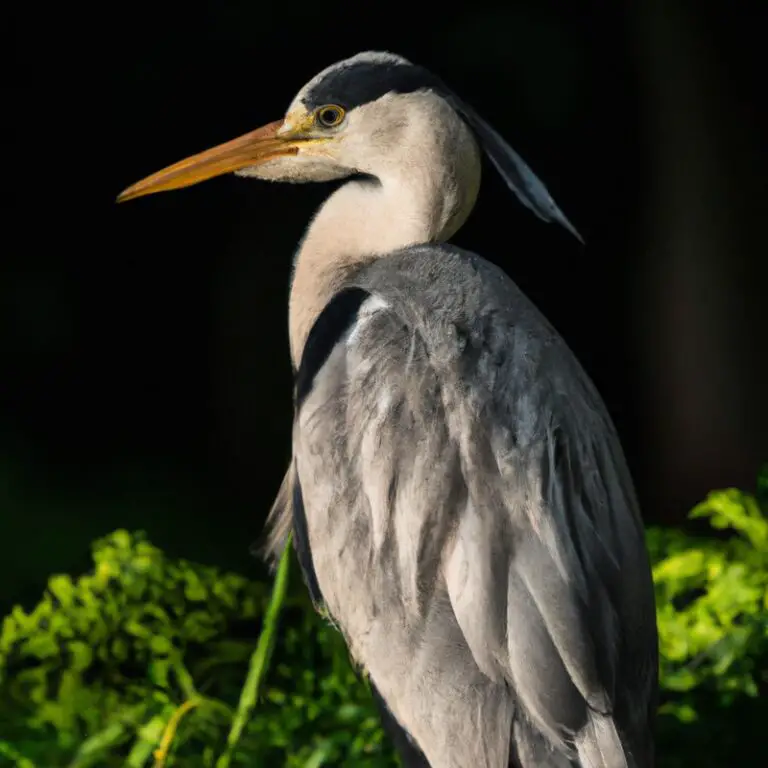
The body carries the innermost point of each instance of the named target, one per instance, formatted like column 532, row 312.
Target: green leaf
column 40, row 646
column 733, row 509
column 62, row 589
column 685, row 713
column 160, row 644
column 194, row 589
column 158, row 672
column 19, row 760
column 82, row 655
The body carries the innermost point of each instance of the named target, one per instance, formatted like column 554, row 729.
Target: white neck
column 409, row 202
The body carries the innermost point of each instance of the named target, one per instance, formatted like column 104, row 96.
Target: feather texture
column 473, row 526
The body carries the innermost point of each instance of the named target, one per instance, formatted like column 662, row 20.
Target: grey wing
column 467, row 508
column 553, row 517
column 548, row 573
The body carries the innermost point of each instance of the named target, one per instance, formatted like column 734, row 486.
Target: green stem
column 186, row 683
column 259, row 659
column 93, row 749
column 161, row 753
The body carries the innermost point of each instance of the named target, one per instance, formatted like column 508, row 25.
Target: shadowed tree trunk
column 698, row 296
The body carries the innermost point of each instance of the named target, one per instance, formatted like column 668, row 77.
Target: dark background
column 145, row 379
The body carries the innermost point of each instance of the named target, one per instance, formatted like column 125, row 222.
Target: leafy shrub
column 145, row 658
column 712, row 606
column 95, row 673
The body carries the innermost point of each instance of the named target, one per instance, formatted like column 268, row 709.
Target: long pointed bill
column 254, row 148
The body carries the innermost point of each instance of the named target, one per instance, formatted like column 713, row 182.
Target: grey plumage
column 458, row 496
column 529, row 189
column 473, row 526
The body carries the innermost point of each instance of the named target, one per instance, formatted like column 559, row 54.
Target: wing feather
column 472, row 522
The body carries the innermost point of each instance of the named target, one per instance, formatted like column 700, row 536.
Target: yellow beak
column 253, row 148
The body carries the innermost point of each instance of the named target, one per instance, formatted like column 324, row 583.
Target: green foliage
column 149, row 660
column 712, row 606
column 93, row 675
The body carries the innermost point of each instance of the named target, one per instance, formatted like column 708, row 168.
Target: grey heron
column 459, row 499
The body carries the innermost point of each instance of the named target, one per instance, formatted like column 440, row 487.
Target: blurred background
column 146, row 381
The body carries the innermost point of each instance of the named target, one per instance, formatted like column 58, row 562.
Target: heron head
column 346, row 121
column 372, row 114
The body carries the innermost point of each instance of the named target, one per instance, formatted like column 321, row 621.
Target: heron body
column 459, row 499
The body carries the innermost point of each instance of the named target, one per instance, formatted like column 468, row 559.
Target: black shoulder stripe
column 361, row 82
column 339, row 314
column 301, row 542
column 410, row 755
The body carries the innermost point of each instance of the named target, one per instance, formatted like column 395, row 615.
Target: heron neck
column 362, row 221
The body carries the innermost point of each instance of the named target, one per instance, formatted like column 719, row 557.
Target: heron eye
column 330, row 116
